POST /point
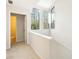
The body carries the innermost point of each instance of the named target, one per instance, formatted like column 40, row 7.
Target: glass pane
column 45, row 20
column 35, row 17
column 53, row 18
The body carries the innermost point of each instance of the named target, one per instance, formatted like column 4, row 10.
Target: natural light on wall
column 45, row 3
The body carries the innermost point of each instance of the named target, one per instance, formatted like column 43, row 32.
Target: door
column 13, row 29
column 20, row 28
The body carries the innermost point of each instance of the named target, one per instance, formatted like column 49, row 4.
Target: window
column 35, row 19
column 45, row 20
column 40, row 19
column 53, row 18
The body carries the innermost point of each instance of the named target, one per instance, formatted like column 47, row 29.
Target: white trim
column 42, row 35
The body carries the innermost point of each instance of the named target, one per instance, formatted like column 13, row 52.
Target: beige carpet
column 21, row 51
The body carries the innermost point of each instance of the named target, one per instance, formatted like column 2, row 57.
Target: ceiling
column 25, row 4
column 45, row 3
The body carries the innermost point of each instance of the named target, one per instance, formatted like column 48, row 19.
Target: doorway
column 13, row 29
column 17, row 28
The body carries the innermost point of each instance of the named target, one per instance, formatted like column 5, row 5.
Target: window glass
column 35, row 19
column 53, row 18
column 45, row 20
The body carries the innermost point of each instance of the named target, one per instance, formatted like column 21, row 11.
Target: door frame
column 15, row 12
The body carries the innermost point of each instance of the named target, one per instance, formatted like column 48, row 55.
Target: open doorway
column 17, row 28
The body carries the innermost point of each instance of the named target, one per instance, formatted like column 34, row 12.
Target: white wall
column 14, row 9
column 62, row 47
column 63, row 24
column 20, row 7
column 7, row 28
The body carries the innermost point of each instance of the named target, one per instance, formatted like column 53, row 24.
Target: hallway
column 21, row 51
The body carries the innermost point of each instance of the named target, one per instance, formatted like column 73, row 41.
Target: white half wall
column 41, row 44
column 58, row 51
